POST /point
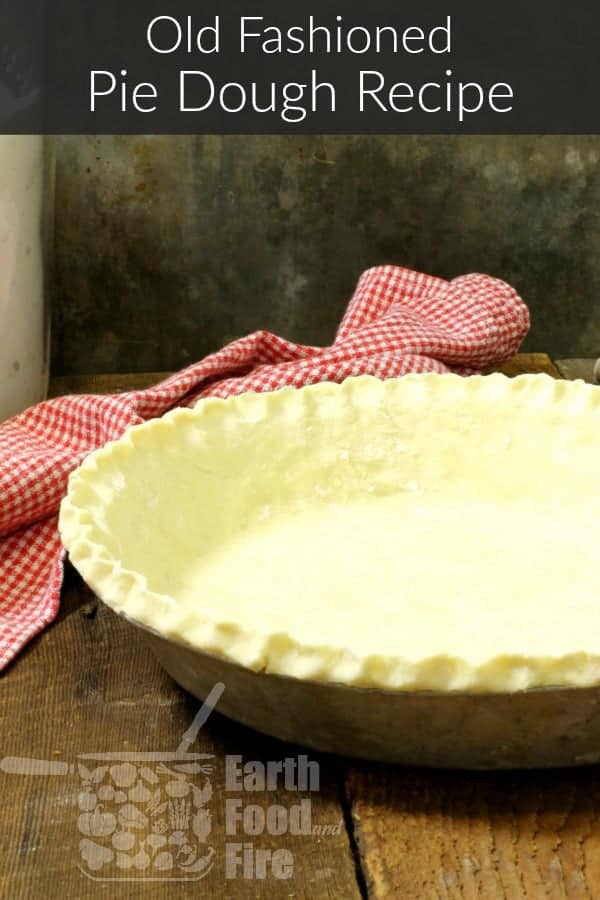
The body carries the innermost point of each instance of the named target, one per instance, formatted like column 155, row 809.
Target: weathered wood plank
column 104, row 384
column 577, row 368
column 529, row 363
column 425, row 835
column 89, row 685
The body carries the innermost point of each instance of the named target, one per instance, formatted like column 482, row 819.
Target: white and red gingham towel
column 398, row 321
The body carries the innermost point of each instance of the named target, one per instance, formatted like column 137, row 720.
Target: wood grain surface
column 577, row 368
column 436, row 834
column 129, row 381
column 89, row 685
column 529, row 363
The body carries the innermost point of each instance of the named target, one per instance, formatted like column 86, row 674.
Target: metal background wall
column 170, row 246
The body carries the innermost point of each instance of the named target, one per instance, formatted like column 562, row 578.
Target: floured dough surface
column 431, row 532
column 410, row 571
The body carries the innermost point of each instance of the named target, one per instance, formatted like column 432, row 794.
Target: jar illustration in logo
column 141, row 814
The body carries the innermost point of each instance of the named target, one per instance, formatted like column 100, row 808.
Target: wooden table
column 89, row 685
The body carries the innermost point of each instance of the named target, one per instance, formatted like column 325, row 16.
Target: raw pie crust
column 430, row 532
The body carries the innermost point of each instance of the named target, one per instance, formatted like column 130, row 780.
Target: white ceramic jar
column 26, row 193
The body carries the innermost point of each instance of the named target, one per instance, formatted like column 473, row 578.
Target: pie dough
column 429, row 532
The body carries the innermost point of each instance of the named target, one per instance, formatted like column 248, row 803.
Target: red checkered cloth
column 398, row 321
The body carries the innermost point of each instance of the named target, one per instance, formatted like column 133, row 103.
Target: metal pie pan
column 537, row 728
